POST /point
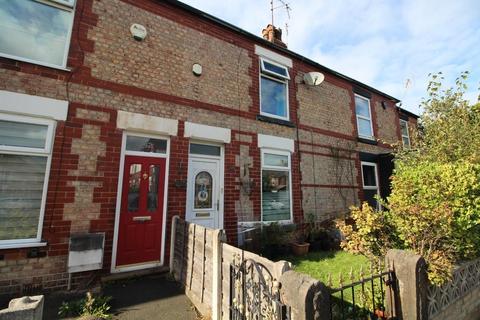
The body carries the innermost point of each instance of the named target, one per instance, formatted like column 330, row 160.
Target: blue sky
column 391, row 45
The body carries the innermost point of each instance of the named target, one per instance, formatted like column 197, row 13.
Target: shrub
column 434, row 207
column 435, row 210
column 372, row 234
column 275, row 239
column 96, row 307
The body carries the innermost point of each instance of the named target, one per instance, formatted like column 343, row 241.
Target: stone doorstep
column 134, row 274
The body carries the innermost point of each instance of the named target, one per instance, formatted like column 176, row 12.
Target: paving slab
column 148, row 297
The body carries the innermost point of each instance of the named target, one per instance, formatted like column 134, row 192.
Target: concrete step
column 135, row 274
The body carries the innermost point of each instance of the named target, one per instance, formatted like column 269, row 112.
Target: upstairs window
column 405, row 133
column 36, row 31
column 273, row 89
column 364, row 117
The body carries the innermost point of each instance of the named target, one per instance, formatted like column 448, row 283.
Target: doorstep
column 134, row 274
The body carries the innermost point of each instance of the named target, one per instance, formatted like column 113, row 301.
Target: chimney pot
column 274, row 35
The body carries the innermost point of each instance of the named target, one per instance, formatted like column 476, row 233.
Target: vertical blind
column 21, row 187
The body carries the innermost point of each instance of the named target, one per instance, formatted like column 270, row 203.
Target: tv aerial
column 280, row 4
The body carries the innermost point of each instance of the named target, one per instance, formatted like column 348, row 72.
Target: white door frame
column 123, row 153
column 221, row 175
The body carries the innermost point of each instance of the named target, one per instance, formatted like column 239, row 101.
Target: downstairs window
column 276, row 186
column 25, row 155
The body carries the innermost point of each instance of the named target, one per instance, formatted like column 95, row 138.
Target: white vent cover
column 86, row 252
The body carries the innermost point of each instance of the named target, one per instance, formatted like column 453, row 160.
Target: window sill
column 275, row 121
column 38, row 63
column 367, row 141
column 254, row 224
column 22, row 245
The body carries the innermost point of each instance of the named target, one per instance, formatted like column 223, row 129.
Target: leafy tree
column 434, row 207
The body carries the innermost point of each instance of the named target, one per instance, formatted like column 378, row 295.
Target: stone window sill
column 275, row 121
column 22, row 245
column 367, row 141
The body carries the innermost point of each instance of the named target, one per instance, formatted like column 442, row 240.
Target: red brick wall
column 110, row 71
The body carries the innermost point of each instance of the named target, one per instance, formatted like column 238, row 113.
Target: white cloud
column 382, row 43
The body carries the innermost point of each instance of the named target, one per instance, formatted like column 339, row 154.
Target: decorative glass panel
column 204, row 149
column 273, row 97
column 134, row 187
column 153, row 181
column 144, row 144
column 275, row 160
column 369, row 175
column 20, row 134
column 406, row 141
column 364, row 128
column 35, row 31
column 275, row 195
column 21, row 190
column 203, row 191
column 361, row 106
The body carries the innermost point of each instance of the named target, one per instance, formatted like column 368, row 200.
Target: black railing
column 254, row 293
column 370, row 297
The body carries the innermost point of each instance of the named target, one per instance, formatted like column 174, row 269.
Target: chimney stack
column 274, row 35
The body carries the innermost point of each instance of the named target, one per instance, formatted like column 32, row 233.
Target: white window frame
column 276, row 168
column 65, row 5
column 278, row 78
column 272, row 73
column 369, row 119
column 407, row 136
column 45, row 152
column 377, row 185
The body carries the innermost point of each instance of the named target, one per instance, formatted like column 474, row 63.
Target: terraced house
column 116, row 115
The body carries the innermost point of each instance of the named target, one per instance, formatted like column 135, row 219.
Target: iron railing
column 370, row 297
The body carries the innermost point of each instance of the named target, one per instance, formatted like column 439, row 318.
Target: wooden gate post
column 217, row 240
column 172, row 241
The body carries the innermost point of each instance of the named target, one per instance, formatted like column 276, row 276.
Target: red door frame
column 140, row 233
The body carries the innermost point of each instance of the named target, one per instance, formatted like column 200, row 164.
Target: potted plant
column 299, row 244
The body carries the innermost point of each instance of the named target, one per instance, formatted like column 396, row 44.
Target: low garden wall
column 458, row 298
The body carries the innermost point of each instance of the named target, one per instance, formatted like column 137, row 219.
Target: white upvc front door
column 205, row 191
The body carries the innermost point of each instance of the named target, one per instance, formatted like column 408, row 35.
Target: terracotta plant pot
column 300, row 249
column 380, row 314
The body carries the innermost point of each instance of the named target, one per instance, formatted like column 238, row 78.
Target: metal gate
column 254, row 292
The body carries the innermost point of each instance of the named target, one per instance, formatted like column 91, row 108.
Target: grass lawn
column 320, row 264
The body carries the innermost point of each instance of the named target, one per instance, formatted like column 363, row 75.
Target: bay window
column 364, row 117
column 276, row 186
column 25, row 155
column 36, row 31
column 274, row 89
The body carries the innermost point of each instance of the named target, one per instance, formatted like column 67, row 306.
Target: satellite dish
column 313, row 78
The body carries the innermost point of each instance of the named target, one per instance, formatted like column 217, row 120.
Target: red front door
column 141, row 212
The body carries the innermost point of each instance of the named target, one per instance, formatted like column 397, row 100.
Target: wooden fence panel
column 193, row 265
